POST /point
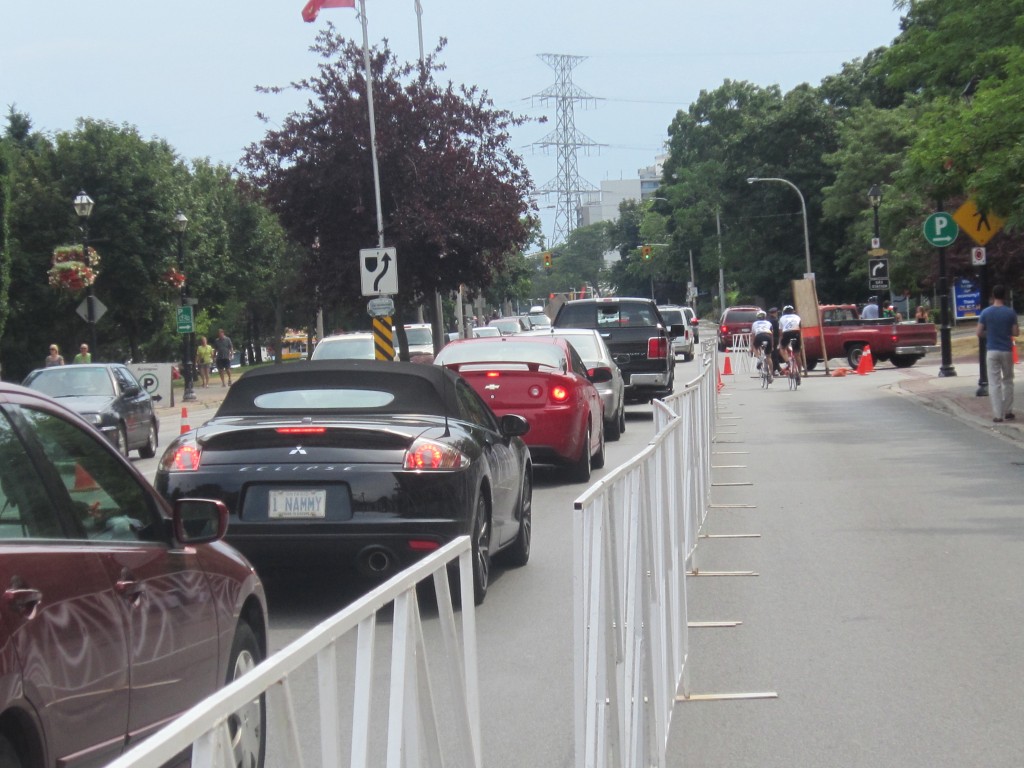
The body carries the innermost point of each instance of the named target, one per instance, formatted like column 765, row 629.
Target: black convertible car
column 361, row 462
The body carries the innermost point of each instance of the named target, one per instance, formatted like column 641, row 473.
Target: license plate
column 292, row 504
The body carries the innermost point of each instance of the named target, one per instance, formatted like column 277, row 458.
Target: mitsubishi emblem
column 297, row 449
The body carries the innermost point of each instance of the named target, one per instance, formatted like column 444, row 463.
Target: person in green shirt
column 83, row 356
column 204, row 358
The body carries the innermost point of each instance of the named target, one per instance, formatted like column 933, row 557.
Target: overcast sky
column 186, row 71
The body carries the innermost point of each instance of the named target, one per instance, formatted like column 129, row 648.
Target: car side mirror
column 131, row 390
column 600, row 375
column 199, row 521
column 514, row 425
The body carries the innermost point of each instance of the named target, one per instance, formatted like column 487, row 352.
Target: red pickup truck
column 846, row 335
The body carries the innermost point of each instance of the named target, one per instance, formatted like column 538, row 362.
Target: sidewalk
column 957, row 395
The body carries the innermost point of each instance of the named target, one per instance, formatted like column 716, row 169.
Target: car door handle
column 128, row 587
column 24, row 599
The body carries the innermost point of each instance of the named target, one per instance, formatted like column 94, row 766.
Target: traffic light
column 547, row 259
column 645, row 251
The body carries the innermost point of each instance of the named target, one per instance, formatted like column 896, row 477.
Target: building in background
column 614, row 192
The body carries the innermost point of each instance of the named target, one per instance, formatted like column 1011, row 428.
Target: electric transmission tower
column 567, row 185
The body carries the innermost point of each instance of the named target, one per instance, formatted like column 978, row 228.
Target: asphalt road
column 886, row 613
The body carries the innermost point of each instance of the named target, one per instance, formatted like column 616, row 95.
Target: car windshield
column 358, row 347
column 419, row 336
column 538, row 321
column 625, row 315
column 72, row 381
column 547, row 355
column 486, row 331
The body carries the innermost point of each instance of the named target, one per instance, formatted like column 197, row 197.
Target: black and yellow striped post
column 383, row 344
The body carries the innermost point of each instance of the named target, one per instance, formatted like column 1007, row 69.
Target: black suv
column 637, row 336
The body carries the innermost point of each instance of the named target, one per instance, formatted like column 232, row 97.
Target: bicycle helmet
column 761, row 314
column 788, row 308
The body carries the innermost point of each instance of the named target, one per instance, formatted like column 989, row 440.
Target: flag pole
column 373, row 123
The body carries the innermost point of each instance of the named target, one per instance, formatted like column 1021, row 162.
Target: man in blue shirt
column 997, row 323
column 870, row 311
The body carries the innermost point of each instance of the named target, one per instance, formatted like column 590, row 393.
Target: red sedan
column 543, row 379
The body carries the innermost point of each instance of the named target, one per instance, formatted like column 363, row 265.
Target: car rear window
column 547, row 355
column 671, row 316
column 740, row 317
column 615, row 314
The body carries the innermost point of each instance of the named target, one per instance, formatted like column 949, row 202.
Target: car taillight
column 300, row 430
column 428, row 455
column 657, row 348
column 184, row 458
column 559, row 393
column 423, row 545
column 724, row 330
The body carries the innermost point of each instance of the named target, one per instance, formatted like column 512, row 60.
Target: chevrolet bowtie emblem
column 493, row 386
column 297, row 449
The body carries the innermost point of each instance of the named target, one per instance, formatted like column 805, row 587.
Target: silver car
column 682, row 346
column 594, row 352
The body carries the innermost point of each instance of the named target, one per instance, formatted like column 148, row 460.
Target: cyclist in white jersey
column 761, row 330
column 789, row 327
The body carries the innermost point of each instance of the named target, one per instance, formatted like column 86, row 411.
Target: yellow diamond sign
column 980, row 226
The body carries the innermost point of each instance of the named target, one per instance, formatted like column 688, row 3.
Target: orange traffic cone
column 720, row 384
column 865, row 365
column 1016, row 355
column 83, row 480
column 727, row 369
column 184, row 421
column 870, row 358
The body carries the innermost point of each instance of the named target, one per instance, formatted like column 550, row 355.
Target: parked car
column 684, row 343
column 596, row 355
column 639, row 338
column 544, row 379
column 481, row 332
column 120, row 612
column 363, row 462
column 344, row 346
column 509, row 326
column 735, row 320
column 420, row 337
column 109, row 397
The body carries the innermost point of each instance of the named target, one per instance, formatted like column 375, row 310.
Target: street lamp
column 181, row 224
column 803, row 209
column 83, row 207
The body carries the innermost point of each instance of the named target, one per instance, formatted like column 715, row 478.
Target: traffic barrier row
column 422, row 701
column 634, row 533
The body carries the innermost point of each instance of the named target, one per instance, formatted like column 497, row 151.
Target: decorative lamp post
column 875, row 198
column 188, row 369
column 83, row 207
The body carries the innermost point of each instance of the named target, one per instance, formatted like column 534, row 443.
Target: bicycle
column 765, row 364
column 792, row 365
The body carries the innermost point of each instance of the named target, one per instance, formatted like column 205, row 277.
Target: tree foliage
column 452, row 193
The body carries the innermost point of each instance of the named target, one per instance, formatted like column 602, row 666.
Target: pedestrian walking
column 998, row 325
column 83, row 356
column 204, row 359
column 224, row 351
column 54, row 358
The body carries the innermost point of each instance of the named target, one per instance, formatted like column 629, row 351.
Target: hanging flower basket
column 71, row 271
column 172, row 279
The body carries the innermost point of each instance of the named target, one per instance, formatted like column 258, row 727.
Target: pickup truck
column 639, row 339
column 846, row 335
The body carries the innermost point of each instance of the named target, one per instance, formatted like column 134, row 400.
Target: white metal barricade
column 634, row 531
column 414, row 717
column 741, row 361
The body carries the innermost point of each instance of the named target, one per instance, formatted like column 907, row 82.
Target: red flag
column 312, row 9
